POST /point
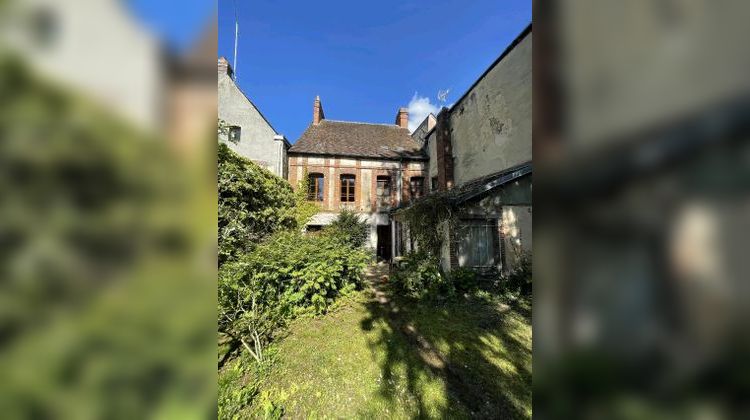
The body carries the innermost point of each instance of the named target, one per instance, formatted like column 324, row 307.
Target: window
column 384, row 190
column 476, row 243
column 45, row 27
column 234, row 134
column 434, row 183
column 416, row 186
column 315, row 187
column 347, row 188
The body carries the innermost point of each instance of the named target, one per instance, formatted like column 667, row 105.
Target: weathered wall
column 491, row 124
column 515, row 227
column 510, row 208
column 257, row 141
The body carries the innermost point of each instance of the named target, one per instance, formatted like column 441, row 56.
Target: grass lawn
column 358, row 362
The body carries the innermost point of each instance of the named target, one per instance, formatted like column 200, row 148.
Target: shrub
column 349, row 228
column 464, row 279
column 519, row 280
column 253, row 204
column 288, row 274
column 419, row 277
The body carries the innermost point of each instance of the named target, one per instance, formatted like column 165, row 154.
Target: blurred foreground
column 107, row 217
column 642, row 197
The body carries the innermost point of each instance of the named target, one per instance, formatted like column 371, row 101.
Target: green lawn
column 361, row 361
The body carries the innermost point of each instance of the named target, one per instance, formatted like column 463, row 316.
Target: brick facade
column 366, row 172
column 444, row 151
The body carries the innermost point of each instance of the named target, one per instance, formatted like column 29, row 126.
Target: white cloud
column 419, row 109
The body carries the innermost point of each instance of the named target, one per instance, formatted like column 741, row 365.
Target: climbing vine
column 430, row 220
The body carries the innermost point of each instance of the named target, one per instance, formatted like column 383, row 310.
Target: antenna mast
column 236, row 34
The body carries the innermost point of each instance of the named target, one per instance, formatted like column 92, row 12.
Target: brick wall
column 366, row 172
column 444, row 150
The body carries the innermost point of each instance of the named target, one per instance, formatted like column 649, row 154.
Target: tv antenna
column 443, row 95
column 236, row 35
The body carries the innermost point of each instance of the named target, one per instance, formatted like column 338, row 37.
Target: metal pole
column 236, row 35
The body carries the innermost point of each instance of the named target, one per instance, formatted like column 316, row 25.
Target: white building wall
column 259, row 142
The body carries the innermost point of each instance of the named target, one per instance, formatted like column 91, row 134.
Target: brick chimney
column 402, row 118
column 225, row 67
column 317, row 111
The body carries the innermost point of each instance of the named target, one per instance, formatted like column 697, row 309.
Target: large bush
column 288, row 274
column 253, row 204
column 419, row 276
column 104, row 307
column 350, row 228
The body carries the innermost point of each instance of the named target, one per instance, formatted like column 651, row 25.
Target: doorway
column 384, row 243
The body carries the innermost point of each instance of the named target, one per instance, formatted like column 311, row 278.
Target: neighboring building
column 424, row 128
column 364, row 167
column 99, row 49
column 191, row 100
column 249, row 134
column 480, row 156
column 96, row 47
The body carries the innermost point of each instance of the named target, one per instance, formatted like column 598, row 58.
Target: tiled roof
column 385, row 141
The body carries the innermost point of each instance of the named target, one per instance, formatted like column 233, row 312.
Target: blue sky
column 364, row 59
column 177, row 22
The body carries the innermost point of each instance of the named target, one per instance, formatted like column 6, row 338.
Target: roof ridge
column 360, row 122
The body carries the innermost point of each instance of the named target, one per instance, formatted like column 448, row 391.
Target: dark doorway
column 384, row 243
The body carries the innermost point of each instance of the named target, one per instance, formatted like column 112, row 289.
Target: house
column 364, row 167
column 249, row 133
column 479, row 158
column 95, row 47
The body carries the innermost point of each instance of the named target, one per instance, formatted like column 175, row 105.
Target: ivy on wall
column 430, row 220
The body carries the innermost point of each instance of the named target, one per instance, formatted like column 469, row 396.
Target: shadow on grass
column 480, row 350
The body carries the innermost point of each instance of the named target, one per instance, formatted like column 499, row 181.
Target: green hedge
column 253, row 204
column 288, row 274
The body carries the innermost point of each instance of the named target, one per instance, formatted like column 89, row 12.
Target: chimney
column 317, row 111
column 225, row 67
column 402, row 118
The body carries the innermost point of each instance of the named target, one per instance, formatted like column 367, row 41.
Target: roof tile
column 385, row 141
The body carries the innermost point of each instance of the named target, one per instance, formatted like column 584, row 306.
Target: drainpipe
column 280, row 153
